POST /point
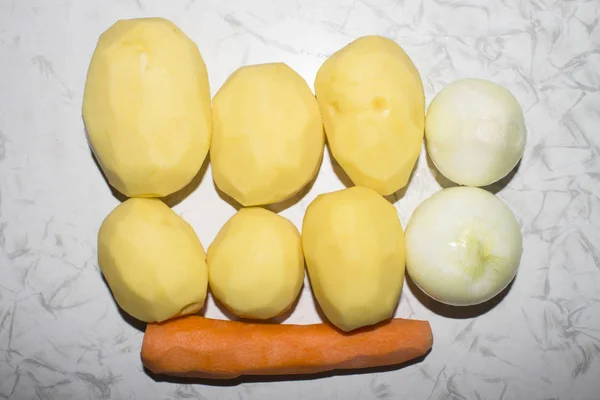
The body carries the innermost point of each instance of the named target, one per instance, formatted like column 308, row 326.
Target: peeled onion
column 475, row 132
column 463, row 246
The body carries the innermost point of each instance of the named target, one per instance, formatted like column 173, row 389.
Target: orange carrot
column 195, row 346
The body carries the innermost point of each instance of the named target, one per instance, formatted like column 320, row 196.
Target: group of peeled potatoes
column 151, row 124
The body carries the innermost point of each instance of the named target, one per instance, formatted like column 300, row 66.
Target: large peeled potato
column 146, row 107
column 255, row 264
column 268, row 140
column 373, row 107
column 152, row 260
column 354, row 250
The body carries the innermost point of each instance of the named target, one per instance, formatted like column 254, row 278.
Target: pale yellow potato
column 354, row 250
column 152, row 260
column 268, row 139
column 146, row 107
column 373, row 106
column 255, row 264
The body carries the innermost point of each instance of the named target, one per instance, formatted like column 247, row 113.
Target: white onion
column 475, row 132
column 463, row 246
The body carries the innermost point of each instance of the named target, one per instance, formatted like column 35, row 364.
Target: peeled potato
column 255, row 264
column 354, row 249
column 268, row 140
column 146, row 107
column 373, row 106
column 152, row 260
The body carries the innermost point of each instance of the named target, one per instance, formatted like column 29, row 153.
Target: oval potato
column 354, row 250
column 373, row 106
column 146, row 107
column 268, row 139
column 255, row 264
column 152, row 260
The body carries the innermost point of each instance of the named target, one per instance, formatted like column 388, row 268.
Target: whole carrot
column 195, row 346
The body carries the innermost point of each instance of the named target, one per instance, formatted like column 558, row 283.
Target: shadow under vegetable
column 324, row 318
column 294, row 199
column 133, row 322
column 400, row 193
column 172, row 199
column 492, row 188
column 502, row 183
column 116, row 194
column 275, row 320
column 275, row 207
column 136, row 323
column 177, row 197
column 457, row 312
column 282, row 378
column 337, row 168
column 347, row 182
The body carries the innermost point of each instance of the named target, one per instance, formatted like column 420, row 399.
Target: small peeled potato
column 373, row 106
column 152, row 260
column 267, row 141
column 146, row 107
column 354, row 249
column 255, row 264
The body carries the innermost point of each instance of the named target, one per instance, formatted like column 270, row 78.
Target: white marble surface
column 61, row 335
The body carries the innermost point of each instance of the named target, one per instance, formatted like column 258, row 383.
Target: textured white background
column 61, row 335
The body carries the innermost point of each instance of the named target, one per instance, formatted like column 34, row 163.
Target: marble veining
column 61, row 335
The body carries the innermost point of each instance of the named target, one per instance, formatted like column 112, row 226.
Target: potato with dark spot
column 373, row 106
